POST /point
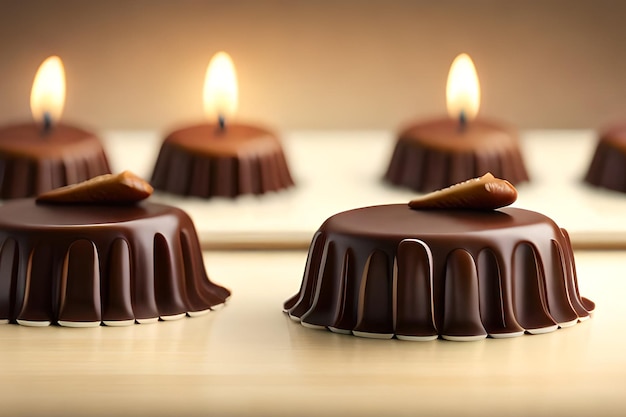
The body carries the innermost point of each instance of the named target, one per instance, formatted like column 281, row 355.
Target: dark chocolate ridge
column 375, row 305
column 496, row 294
column 116, row 299
column 412, row 292
column 80, row 284
column 461, row 306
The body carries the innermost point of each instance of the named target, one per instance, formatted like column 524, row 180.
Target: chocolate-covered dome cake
column 33, row 161
column 438, row 153
column 450, row 272
column 80, row 261
column 212, row 161
column 608, row 165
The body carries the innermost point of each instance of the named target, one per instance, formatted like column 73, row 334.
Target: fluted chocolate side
column 437, row 154
column 389, row 271
column 87, row 265
column 32, row 162
column 204, row 161
column 608, row 165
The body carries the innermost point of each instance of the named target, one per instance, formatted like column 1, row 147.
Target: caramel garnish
column 115, row 189
column 484, row 193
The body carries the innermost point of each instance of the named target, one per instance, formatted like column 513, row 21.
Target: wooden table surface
column 250, row 359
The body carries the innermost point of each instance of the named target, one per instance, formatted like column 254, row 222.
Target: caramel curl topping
column 484, row 193
column 114, row 189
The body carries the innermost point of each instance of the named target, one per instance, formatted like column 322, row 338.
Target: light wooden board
column 250, row 359
column 337, row 171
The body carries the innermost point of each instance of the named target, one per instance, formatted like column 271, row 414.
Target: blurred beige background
column 319, row 64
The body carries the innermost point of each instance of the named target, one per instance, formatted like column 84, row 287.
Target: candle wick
column 462, row 120
column 47, row 122
column 222, row 122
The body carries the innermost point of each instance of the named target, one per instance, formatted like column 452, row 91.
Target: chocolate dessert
column 458, row 272
column 210, row 161
column 608, row 165
column 438, row 153
column 71, row 258
column 33, row 161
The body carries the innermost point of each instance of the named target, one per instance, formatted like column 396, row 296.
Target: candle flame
column 47, row 96
column 220, row 88
column 463, row 89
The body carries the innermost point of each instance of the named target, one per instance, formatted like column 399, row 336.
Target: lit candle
column 221, row 90
column 440, row 152
column 221, row 157
column 463, row 90
column 47, row 97
column 45, row 154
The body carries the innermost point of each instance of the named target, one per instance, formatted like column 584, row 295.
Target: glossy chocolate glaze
column 204, row 161
column 436, row 154
column 458, row 274
column 86, row 263
column 32, row 162
column 608, row 165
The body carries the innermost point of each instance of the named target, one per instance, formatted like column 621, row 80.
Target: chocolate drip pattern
column 90, row 265
column 389, row 271
column 412, row 292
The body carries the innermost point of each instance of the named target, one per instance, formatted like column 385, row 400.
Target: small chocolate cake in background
column 438, row 153
column 608, row 165
column 448, row 265
column 33, row 162
column 209, row 161
column 93, row 254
